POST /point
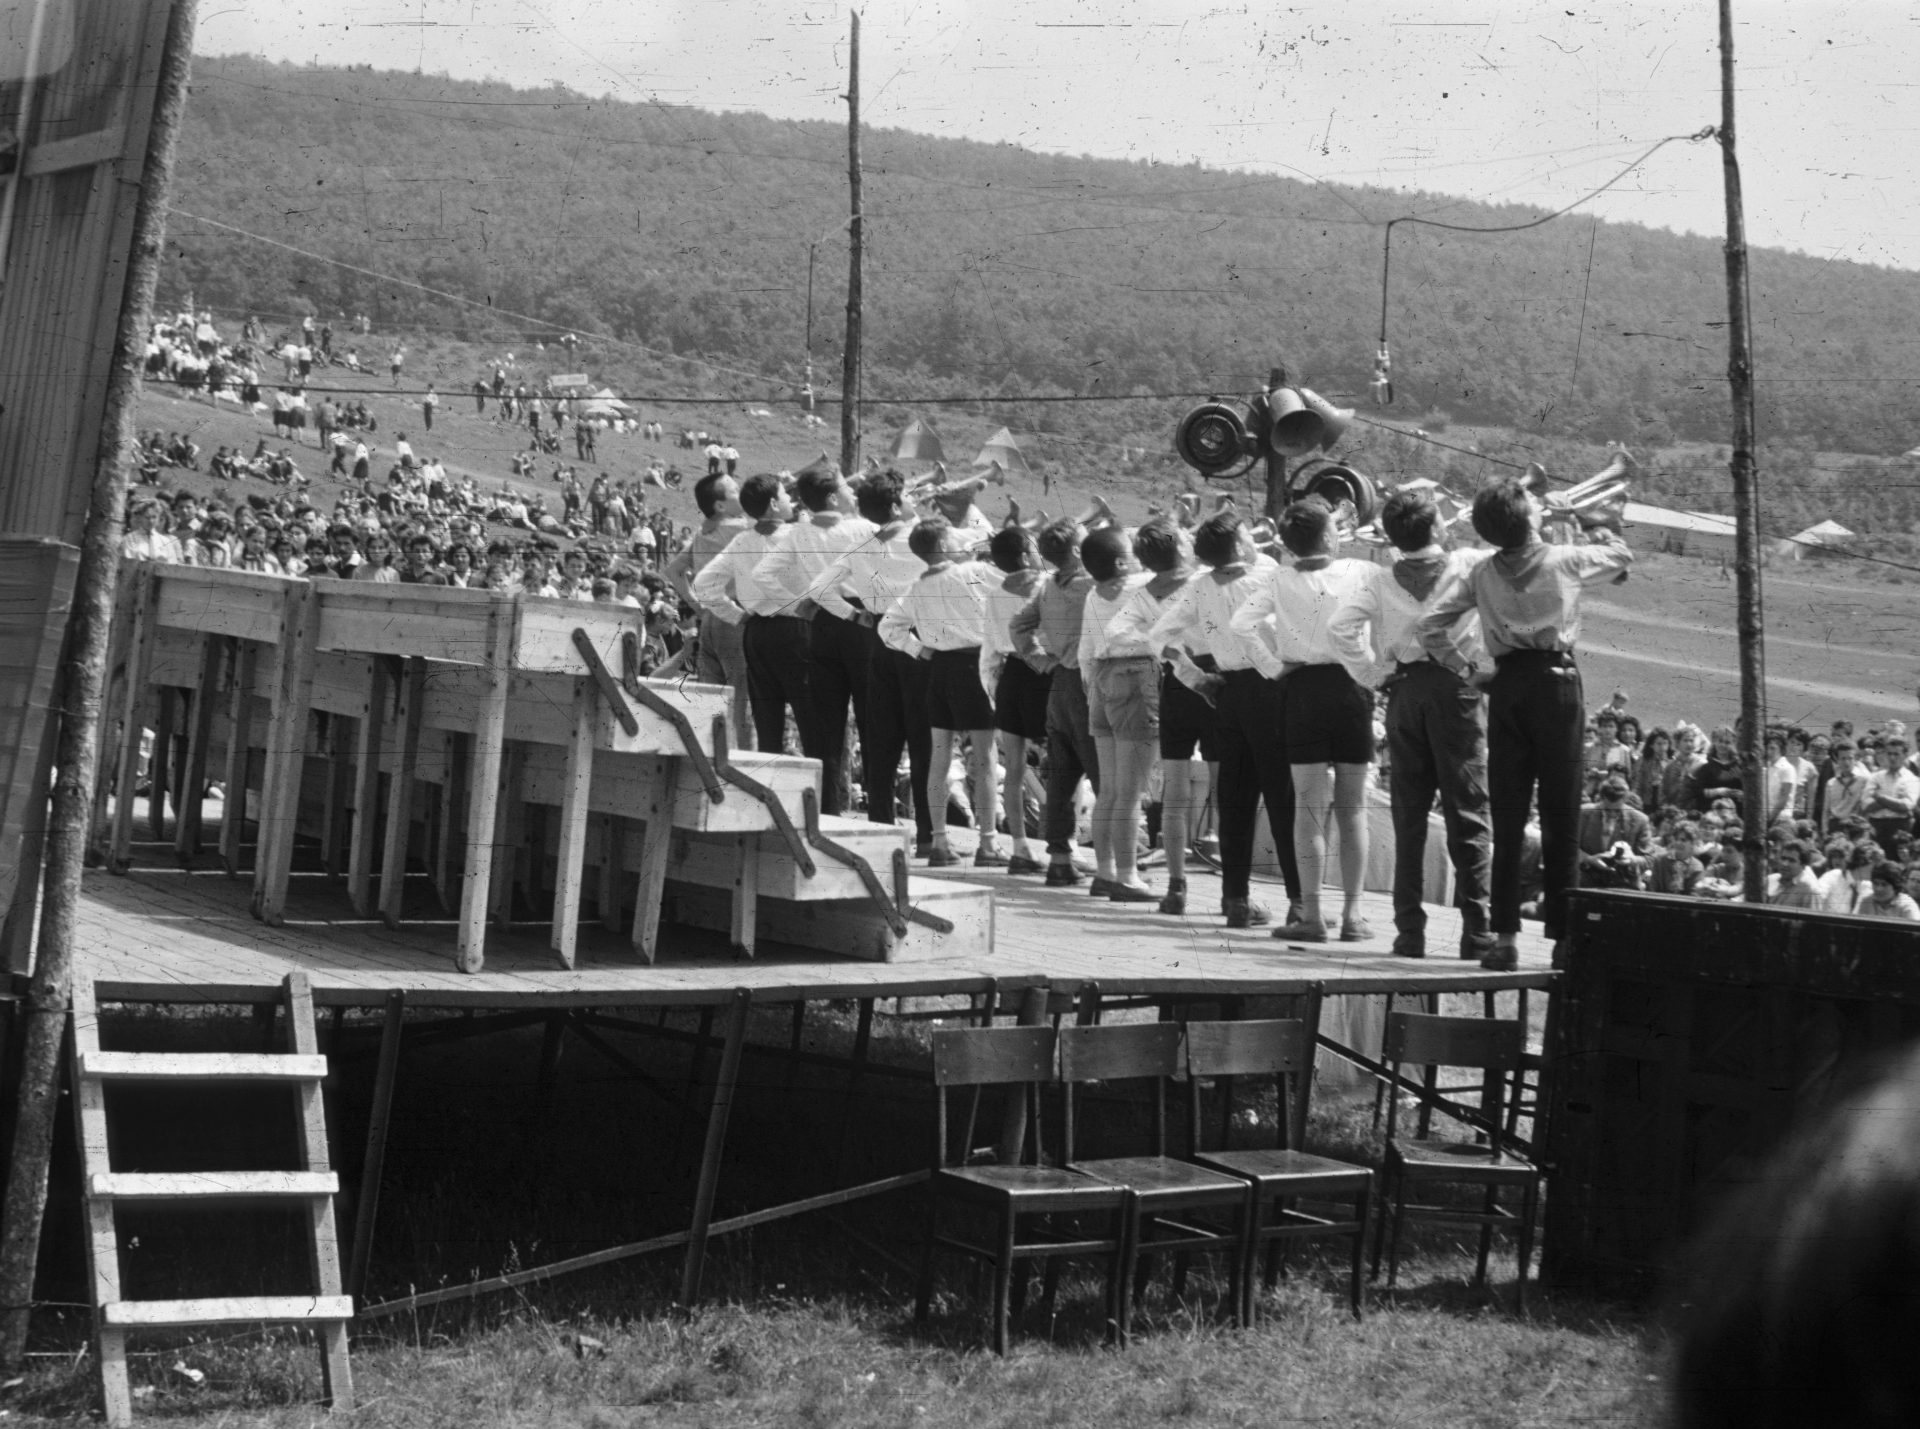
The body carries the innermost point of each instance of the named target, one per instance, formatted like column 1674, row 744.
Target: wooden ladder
column 328, row 1310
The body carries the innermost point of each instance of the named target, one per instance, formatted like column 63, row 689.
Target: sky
column 1493, row 100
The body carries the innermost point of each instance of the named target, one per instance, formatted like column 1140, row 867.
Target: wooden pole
column 850, row 360
column 1746, row 493
column 83, row 680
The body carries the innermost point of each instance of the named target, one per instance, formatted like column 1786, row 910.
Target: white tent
column 1002, row 450
column 1816, row 537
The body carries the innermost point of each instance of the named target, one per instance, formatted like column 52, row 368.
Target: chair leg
column 1127, row 1239
column 1393, row 1232
column 923, row 1292
column 1362, row 1206
column 1486, row 1235
column 1529, row 1212
column 1003, row 1282
column 1379, row 1232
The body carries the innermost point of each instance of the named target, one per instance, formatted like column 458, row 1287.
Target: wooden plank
column 393, row 867
column 233, row 816
column 656, row 843
column 192, row 794
column 285, row 754
column 489, row 745
column 786, row 775
column 103, row 1241
column 572, row 850
column 342, row 683
column 336, row 1372
column 193, row 1185
column 363, row 845
column 545, row 638
column 137, row 701
column 711, row 861
column 232, row 1310
column 199, row 1066
column 746, row 896
column 212, row 601
column 426, row 622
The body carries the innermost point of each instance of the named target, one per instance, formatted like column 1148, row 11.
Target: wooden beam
column 738, row 1013
column 571, row 855
column 393, row 864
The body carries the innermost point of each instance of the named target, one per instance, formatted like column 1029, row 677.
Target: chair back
column 1491, row 1044
column 1120, row 1052
column 1280, row 1048
column 975, row 1057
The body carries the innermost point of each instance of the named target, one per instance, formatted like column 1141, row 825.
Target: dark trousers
column 1536, row 712
column 1437, row 744
column 776, row 648
column 1253, row 768
column 1070, row 754
column 841, row 652
column 897, row 720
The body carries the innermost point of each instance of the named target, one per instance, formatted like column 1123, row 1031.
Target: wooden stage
column 165, row 934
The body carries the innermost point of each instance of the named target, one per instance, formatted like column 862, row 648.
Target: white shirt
column 1781, row 782
column 1007, row 596
column 1285, row 618
column 1900, row 783
column 946, row 609
column 1200, row 617
column 798, row 568
column 1374, row 628
column 876, row 572
column 1098, row 639
column 728, row 586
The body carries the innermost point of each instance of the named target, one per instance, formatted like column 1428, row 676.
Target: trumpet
column 1599, row 501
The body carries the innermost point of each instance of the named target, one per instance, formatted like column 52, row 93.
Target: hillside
column 992, row 271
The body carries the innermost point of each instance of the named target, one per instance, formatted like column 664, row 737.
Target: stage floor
column 164, row 934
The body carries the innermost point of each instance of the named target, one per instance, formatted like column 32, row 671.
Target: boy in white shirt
column 1327, row 717
column 941, row 619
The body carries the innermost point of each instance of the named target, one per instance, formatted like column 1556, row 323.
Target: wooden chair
column 1282, row 1174
column 1022, row 1060
column 1487, row 1159
column 1167, row 1191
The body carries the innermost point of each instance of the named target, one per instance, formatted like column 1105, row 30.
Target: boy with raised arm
column 1527, row 594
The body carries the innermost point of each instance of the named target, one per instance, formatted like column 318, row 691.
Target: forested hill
column 996, row 270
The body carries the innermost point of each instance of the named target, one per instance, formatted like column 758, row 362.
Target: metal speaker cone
column 1296, row 428
column 1335, row 483
column 1211, row 439
column 1334, row 421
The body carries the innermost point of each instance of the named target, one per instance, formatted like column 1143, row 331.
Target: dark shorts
column 1020, row 700
column 1187, row 722
column 1123, row 699
column 955, row 699
column 1328, row 717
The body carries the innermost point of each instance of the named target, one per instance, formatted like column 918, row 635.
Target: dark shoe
column 990, row 858
column 1175, row 899
column 942, row 858
column 1062, row 875
column 1504, row 958
column 1243, row 914
column 1017, row 864
column 1101, row 887
column 1128, row 893
column 1475, row 946
column 923, row 848
column 1301, row 931
column 1412, row 945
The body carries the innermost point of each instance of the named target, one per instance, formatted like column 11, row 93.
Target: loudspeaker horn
column 1335, row 484
column 1333, row 420
column 1296, row 428
column 1211, row 439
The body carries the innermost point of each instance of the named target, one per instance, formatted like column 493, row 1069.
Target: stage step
column 235, row 1310
column 712, row 860
column 104, row 1189
column 855, row 927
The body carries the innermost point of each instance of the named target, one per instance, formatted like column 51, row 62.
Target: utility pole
column 1746, row 493
column 850, row 361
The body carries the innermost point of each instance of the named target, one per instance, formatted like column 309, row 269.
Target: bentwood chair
column 1485, row 1158
column 1023, row 1200
column 1244, row 1056
column 1178, row 1207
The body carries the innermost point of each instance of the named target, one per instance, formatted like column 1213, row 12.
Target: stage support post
column 723, row 1087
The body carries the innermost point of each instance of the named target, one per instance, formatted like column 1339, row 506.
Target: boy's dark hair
column 1411, row 520
column 1100, row 553
column 1503, row 514
column 1800, row 848
column 1216, row 540
column 1059, row 540
column 1007, row 548
column 1840, row 746
column 879, row 495
column 1887, row 871
column 706, row 494
column 928, row 536
column 1685, row 828
column 1156, row 545
column 419, row 538
column 1303, row 527
column 758, row 492
column 1842, row 727
column 815, row 487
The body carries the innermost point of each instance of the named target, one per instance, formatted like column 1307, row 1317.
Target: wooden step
column 625, row 784
column 854, row 927
column 196, row 1185
column 201, row 1066
column 710, row 860
column 232, row 1310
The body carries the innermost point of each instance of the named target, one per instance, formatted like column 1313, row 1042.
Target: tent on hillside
column 604, row 403
column 1812, row 541
column 1002, row 450
column 918, row 441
